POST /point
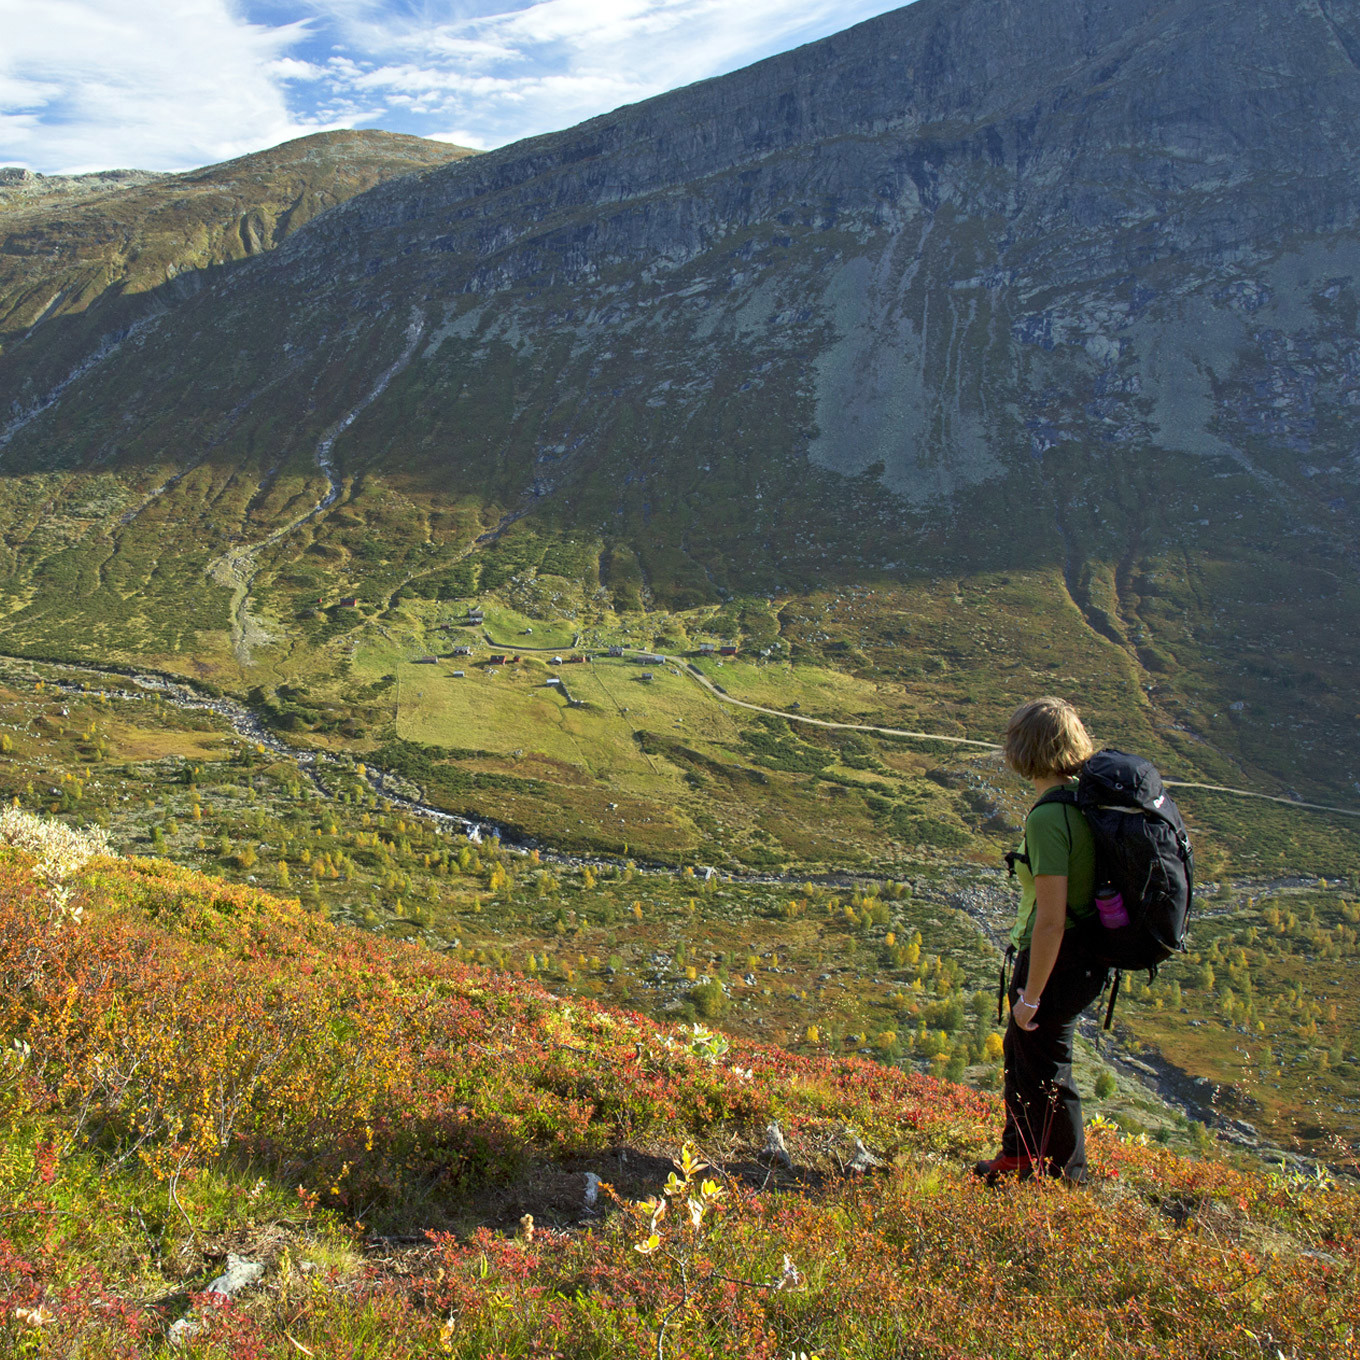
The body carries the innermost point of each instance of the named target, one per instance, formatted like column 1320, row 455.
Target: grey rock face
column 956, row 237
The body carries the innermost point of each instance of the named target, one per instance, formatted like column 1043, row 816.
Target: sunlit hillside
column 950, row 353
column 409, row 1149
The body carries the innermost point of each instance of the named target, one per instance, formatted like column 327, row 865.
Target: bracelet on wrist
column 1033, row 1005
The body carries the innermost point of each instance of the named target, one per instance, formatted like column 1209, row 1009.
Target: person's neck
column 1046, row 782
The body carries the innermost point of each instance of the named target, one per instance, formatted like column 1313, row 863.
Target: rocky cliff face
column 952, row 196
column 1085, row 267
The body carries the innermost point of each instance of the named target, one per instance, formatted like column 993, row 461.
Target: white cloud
column 91, row 84
column 165, row 84
column 289, row 68
column 517, row 71
column 460, row 137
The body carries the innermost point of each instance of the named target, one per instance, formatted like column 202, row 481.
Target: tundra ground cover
column 896, row 969
column 195, row 1065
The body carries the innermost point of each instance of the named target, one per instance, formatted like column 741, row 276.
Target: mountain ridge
column 89, row 246
column 699, row 116
column 805, row 325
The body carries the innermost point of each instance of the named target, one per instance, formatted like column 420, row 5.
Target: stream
column 237, row 568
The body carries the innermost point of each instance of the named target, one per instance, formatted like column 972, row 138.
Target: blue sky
column 171, row 84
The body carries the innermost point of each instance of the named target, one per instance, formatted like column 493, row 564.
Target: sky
column 173, row 84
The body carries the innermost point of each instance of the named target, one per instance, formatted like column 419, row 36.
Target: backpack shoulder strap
column 1062, row 795
column 1068, row 798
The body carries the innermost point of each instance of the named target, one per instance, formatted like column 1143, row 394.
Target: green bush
column 708, row 999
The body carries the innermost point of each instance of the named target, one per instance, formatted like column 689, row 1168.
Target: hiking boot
column 1004, row 1167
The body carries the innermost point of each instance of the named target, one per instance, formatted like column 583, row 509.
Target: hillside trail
column 520, row 647
column 238, row 567
column 723, row 697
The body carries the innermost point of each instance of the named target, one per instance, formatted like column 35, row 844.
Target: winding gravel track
column 994, row 746
column 726, row 698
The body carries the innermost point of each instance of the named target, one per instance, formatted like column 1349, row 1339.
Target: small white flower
column 33, row 1317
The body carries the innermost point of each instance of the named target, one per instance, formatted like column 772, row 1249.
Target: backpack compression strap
column 1114, row 996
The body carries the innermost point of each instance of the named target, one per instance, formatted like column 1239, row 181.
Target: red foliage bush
column 184, row 1024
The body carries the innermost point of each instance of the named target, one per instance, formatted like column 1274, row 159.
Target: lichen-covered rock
column 239, row 1275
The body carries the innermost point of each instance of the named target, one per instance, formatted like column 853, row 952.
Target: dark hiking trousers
column 1043, row 1109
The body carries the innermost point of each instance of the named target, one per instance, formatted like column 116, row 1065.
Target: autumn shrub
column 914, row 1264
column 187, row 1021
column 190, row 1063
column 709, row 998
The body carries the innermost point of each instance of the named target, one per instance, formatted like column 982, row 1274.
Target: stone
column 239, row 1275
column 863, row 1160
column 775, row 1151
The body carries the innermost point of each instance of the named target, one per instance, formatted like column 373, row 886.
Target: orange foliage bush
column 183, row 1024
column 186, row 1020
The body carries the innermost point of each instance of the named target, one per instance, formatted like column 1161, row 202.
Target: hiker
column 1055, row 976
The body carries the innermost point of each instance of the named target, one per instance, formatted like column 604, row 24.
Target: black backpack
column 1143, row 849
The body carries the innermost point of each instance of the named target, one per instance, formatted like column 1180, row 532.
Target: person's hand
column 1025, row 1013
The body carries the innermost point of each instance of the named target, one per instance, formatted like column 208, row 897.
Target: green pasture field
column 819, row 691
column 508, row 707
column 660, row 766
column 506, row 627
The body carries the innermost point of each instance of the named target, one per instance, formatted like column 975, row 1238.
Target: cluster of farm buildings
column 475, row 617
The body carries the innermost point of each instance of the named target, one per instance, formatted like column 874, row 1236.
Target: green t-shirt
column 1057, row 841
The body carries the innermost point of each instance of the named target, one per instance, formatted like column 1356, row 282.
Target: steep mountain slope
column 852, row 314
column 84, row 249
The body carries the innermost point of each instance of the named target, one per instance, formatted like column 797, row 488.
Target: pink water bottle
column 1110, row 905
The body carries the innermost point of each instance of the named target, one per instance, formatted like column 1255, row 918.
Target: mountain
column 86, row 249
column 853, row 315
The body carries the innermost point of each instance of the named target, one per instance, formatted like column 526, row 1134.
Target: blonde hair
column 1045, row 737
